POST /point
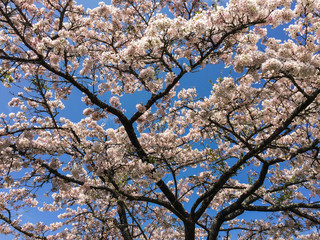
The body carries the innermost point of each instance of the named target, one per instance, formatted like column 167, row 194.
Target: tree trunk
column 213, row 235
column 189, row 230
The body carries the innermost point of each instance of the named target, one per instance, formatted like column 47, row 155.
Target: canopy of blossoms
column 181, row 165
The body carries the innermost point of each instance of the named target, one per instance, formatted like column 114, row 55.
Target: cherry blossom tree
column 181, row 165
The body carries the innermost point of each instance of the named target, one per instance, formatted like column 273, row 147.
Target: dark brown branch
column 275, row 208
column 123, row 226
column 236, row 208
column 19, row 229
column 207, row 197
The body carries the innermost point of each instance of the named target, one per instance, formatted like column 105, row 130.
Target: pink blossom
column 114, row 101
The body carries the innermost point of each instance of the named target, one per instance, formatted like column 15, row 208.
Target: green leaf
column 6, row 77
